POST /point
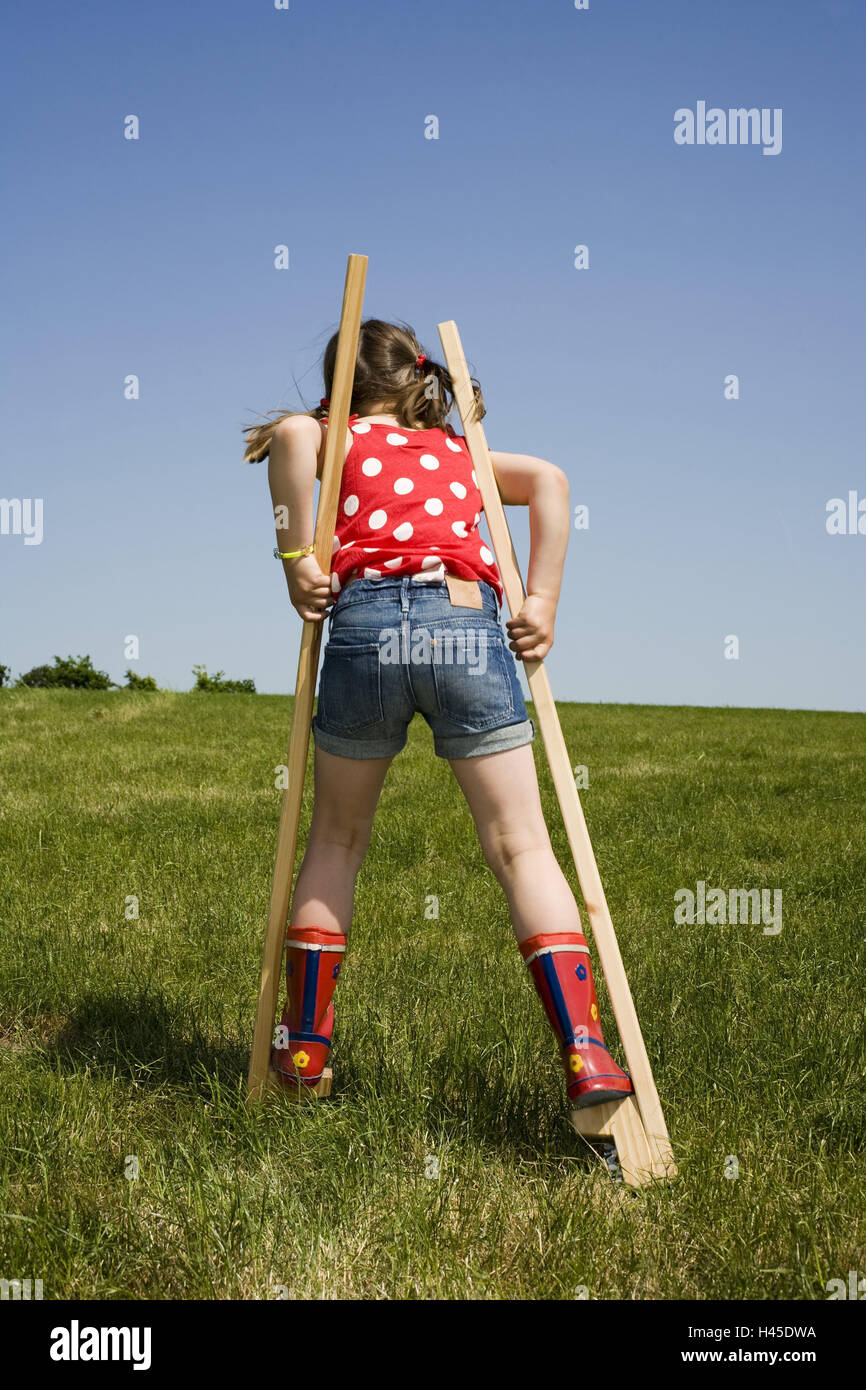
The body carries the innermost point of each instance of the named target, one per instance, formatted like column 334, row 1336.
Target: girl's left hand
column 531, row 632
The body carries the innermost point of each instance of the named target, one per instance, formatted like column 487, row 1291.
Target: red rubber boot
column 303, row 1041
column 561, row 971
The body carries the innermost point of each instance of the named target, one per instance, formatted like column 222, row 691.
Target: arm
column 526, row 481
column 293, row 466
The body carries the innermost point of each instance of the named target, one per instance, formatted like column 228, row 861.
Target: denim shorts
column 396, row 647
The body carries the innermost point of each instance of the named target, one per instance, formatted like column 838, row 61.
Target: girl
column 408, row 560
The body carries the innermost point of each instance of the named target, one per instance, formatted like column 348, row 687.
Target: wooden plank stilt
column 636, row 1124
column 260, row 1079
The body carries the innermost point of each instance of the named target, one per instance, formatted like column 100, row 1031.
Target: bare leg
column 346, row 795
column 502, row 792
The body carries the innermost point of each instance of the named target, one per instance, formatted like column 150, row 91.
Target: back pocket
column 350, row 690
column 475, row 692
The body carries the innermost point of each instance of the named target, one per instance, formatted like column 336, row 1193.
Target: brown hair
column 386, row 374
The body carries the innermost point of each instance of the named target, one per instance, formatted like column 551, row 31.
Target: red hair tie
column 326, row 406
column 420, row 360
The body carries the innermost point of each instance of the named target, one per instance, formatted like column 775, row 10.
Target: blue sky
column 306, row 127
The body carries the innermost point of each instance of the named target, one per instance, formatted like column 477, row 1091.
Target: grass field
column 125, row 1042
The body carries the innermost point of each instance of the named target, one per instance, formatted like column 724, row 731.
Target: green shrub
column 71, row 673
column 217, row 685
column 134, row 682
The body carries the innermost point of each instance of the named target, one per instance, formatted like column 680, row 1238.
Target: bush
column 216, row 684
column 134, row 682
column 5, row 672
column 71, row 673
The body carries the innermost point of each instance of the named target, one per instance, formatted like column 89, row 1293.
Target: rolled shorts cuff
column 473, row 745
column 348, row 747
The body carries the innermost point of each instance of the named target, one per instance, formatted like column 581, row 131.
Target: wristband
column 294, row 554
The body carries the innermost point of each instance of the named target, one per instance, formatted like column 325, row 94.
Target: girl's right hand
column 309, row 589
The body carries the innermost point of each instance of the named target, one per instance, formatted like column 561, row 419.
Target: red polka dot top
column 409, row 504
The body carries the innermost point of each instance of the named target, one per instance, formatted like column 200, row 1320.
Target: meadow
column 443, row 1165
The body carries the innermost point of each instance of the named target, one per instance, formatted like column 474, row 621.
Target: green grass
column 130, row 1037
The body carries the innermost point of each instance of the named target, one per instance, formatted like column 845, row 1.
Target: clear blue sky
column 306, row 127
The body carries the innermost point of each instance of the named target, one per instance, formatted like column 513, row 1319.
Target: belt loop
column 404, row 619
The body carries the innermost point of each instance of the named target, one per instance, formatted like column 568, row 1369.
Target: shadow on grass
column 475, row 1104
column 144, row 1037
column 154, row 1041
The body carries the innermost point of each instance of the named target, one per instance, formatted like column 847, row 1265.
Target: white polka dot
column 434, row 506
column 474, row 479
column 350, row 506
column 477, row 518
column 371, row 467
column 403, row 531
column 336, row 546
column 377, row 519
column 430, row 562
column 392, row 564
column 369, row 549
column 335, row 583
column 429, row 461
column 403, row 485
column 396, row 439
column 486, row 555
column 454, row 447
column 372, row 574
column 459, row 529
column 458, row 489
column 362, row 428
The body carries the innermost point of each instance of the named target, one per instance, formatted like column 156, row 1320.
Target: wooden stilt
column 258, row 1079
column 636, row 1124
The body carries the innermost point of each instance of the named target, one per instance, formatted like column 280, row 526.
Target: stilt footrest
column 299, row 1092
column 620, row 1121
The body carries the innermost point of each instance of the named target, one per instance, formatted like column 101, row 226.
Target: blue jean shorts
column 396, row 647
